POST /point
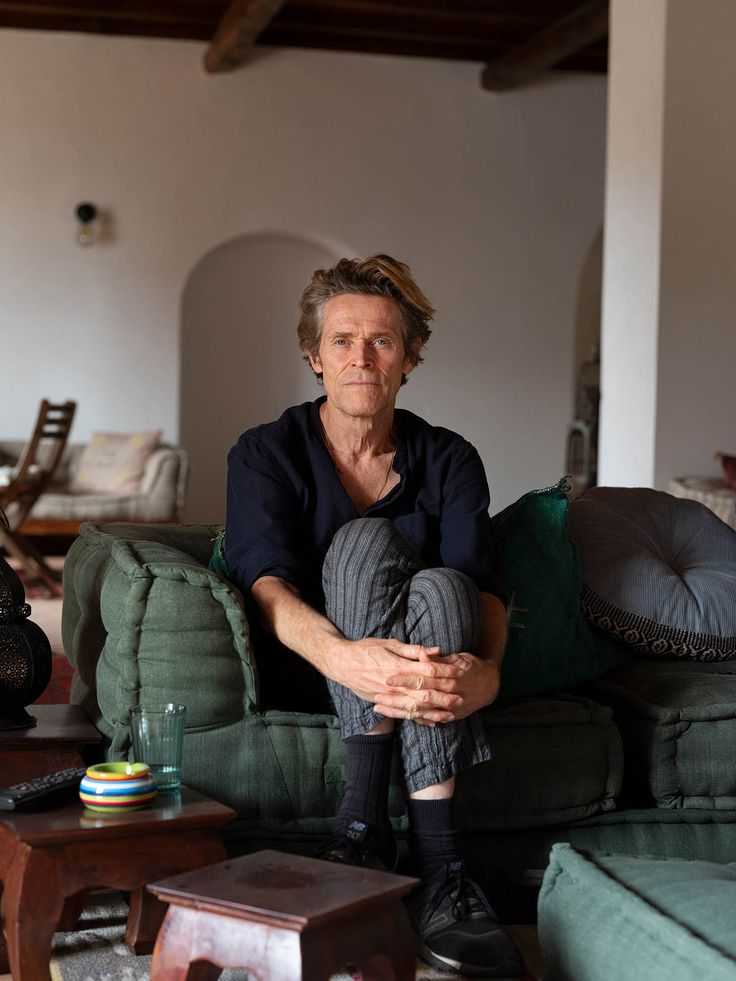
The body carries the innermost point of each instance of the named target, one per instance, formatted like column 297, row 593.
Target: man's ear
column 411, row 360
column 315, row 362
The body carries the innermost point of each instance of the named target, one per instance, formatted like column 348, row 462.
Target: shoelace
column 467, row 900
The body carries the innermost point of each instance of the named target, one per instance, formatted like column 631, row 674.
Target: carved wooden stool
column 285, row 918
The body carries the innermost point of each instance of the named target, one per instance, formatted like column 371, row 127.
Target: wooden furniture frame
column 62, row 737
column 286, row 918
column 34, row 470
column 50, row 859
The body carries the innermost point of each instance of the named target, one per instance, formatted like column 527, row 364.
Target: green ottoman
column 631, row 919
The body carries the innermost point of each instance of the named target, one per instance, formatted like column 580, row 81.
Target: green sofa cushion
column 635, row 918
column 678, row 724
column 142, row 617
column 556, row 758
column 550, row 645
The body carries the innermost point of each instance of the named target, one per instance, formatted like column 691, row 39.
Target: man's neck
column 357, row 436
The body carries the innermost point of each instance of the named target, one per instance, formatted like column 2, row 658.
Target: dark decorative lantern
column 25, row 652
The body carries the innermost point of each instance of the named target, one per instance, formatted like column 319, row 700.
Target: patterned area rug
column 97, row 951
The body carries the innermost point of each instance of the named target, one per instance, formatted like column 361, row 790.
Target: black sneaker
column 459, row 931
column 354, row 846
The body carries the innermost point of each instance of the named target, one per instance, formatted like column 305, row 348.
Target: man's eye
column 341, row 341
column 382, row 342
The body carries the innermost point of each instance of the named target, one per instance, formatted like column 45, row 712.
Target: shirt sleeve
column 261, row 523
column 468, row 541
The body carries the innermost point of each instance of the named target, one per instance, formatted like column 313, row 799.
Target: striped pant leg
column 375, row 586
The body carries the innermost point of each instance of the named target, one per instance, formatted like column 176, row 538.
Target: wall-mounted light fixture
column 86, row 214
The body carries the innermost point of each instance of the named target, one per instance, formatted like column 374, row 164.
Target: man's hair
column 378, row 275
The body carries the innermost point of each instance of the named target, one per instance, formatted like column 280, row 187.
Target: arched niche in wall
column 240, row 363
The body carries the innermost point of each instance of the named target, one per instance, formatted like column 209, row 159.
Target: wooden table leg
column 73, row 906
column 31, row 907
column 147, row 913
column 144, row 921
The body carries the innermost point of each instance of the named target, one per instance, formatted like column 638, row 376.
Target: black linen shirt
column 285, row 502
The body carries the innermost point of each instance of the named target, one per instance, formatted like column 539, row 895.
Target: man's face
column 361, row 353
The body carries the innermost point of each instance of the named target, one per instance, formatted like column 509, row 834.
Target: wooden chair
column 31, row 475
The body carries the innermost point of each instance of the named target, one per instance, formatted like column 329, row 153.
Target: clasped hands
column 408, row 681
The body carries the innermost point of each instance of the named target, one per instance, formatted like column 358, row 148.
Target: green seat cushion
column 634, row 918
column 550, row 645
column 678, row 724
column 556, row 758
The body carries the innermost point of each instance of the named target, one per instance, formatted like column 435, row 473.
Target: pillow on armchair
column 114, row 462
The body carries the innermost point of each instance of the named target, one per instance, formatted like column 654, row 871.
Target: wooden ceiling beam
column 237, row 32
column 565, row 37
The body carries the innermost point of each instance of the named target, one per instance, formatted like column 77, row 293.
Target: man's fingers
column 414, row 652
column 420, row 682
column 422, row 674
column 419, row 701
column 424, row 717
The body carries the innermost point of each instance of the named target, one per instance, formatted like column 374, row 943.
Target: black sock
column 433, row 840
column 368, row 772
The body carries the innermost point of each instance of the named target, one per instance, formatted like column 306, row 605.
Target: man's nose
column 362, row 353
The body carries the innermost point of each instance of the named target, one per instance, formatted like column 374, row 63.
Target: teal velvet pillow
column 218, row 562
column 550, row 645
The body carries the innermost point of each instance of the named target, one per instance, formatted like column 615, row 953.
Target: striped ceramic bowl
column 108, row 787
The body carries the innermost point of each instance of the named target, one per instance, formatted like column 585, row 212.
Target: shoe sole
column 512, row 970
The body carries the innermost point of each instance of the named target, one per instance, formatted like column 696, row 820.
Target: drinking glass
column 158, row 740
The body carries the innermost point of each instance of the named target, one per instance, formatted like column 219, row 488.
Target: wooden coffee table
column 49, row 859
column 286, row 918
column 62, row 737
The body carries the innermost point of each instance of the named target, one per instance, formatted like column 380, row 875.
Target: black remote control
column 46, row 789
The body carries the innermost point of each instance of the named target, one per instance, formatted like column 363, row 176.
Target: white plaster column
column 669, row 293
column 631, row 256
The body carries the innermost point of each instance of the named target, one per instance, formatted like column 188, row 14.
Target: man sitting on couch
column 362, row 534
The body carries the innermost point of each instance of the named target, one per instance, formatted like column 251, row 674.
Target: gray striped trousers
column 374, row 586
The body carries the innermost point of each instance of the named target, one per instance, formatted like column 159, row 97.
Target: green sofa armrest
column 144, row 620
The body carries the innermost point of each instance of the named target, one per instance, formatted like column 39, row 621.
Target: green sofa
column 613, row 753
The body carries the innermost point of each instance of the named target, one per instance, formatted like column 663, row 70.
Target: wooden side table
column 48, row 858
column 286, row 918
column 62, row 737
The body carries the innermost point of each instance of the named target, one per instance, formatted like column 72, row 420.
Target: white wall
column 494, row 200
column 696, row 397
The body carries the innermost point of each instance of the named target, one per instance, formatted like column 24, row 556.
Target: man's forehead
column 350, row 313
